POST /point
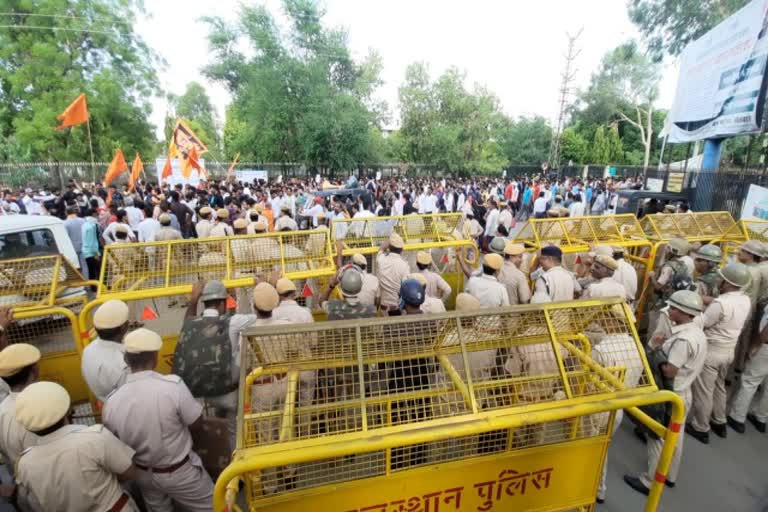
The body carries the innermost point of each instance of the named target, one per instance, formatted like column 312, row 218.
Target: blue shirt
column 90, row 234
column 527, row 195
column 588, row 194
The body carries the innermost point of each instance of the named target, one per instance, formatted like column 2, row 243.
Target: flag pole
column 90, row 146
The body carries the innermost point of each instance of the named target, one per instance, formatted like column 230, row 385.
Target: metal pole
column 90, row 147
column 687, row 156
column 705, row 184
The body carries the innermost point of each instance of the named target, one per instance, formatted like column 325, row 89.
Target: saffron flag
column 116, row 168
column 307, row 291
column 191, row 162
column 136, row 169
column 231, row 303
column 183, row 140
column 167, row 169
column 76, row 113
column 148, row 314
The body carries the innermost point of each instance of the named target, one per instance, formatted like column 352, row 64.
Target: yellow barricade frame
column 589, row 389
column 38, row 282
column 366, row 235
column 581, row 234
column 694, row 227
column 157, row 265
column 743, row 230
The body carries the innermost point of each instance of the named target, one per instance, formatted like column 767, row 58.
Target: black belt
column 166, row 469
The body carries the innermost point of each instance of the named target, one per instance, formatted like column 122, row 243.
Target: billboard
column 722, row 83
column 177, row 177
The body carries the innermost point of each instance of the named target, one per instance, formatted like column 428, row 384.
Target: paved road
column 727, row 475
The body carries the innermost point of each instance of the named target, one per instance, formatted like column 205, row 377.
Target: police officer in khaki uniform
column 240, row 227
column 510, row 275
column 556, row 282
column 220, row 227
column 625, row 274
column 722, row 321
column 19, row 369
column 254, row 217
column 750, row 254
column 285, row 222
column 369, row 294
column 485, row 287
column 166, row 232
column 204, row 225
column 437, row 287
column 73, row 467
column 289, row 309
column 392, row 270
column 686, row 351
column 153, row 414
column 604, row 285
column 103, row 364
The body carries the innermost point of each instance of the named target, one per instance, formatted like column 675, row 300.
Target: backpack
column 681, row 279
column 203, row 356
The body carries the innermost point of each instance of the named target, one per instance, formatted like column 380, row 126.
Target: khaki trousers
column 708, row 390
column 655, row 446
column 755, row 374
column 190, row 487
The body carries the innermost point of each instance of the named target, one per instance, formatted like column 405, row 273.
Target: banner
column 756, row 204
column 250, row 175
column 176, row 176
column 183, row 139
column 722, row 83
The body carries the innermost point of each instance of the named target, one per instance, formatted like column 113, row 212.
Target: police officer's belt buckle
column 167, row 469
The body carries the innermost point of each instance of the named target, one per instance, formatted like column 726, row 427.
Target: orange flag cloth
column 76, row 113
column 136, row 169
column 167, row 170
column 191, row 162
column 116, row 168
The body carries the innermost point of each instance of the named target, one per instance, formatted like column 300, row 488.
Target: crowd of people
column 707, row 323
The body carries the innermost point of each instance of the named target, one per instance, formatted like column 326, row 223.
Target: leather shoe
column 669, row 484
column 759, row 425
column 719, row 429
column 736, row 425
column 636, row 484
column 702, row 437
column 599, row 501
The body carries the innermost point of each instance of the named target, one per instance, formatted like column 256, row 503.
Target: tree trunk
column 648, row 138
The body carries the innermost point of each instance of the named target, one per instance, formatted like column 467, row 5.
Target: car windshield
column 26, row 244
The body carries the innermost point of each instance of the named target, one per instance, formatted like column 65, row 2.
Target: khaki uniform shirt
column 74, row 468
column 221, row 229
column 558, row 284
column 488, row 290
column 606, row 287
column 753, row 288
column 432, row 305
column 290, row 311
column 724, row 319
column 436, row 285
column 518, row 290
column 286, row 222
column 203, row 228
column 14, row 438
column 391, row 269
column 686, row 348
column 370, row 291
column 103, row 367
column 152, row 413
column 762, row 295
column 166, row 233
column 626, row 275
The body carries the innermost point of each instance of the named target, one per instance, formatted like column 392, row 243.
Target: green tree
column 526, row 140
column 624, row 89
column 669, row 25
column 573, row 147
column 195, row 107
column 615, row 146
column 297, row 96
column 600, row 151
column 48, row 59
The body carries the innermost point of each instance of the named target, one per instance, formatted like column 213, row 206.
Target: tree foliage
column 297, row 96
column 47, row 60
column 573, row 147
column 526, row 140
column 669, row 25
column 446, row 125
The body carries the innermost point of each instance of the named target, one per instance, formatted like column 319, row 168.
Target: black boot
column 759, row 425
column 702, row 437
column 636, row 484
column 735, row 425
column 719, row 429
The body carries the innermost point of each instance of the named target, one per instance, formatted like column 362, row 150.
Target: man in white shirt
column 491, row 221
column 486, row 287
column 148, row 227
column 314, row 210
column 109, row 232
column 103, row 364
column 625, row 274
column 540, row 206
column 505, row 215
column 133, row 214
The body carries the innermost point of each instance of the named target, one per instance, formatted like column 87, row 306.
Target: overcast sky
column 514, row 48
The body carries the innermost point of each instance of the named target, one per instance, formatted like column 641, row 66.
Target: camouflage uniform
column 707, row 284
column 343, row 310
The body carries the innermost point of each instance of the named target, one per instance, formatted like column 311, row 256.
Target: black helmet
column 411, row 293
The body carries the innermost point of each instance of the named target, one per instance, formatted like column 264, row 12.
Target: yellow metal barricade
column 504, row 408
column 40, row 281
column 53, row 330
column 161, row 265
column 739, row 233
column 444, row 235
